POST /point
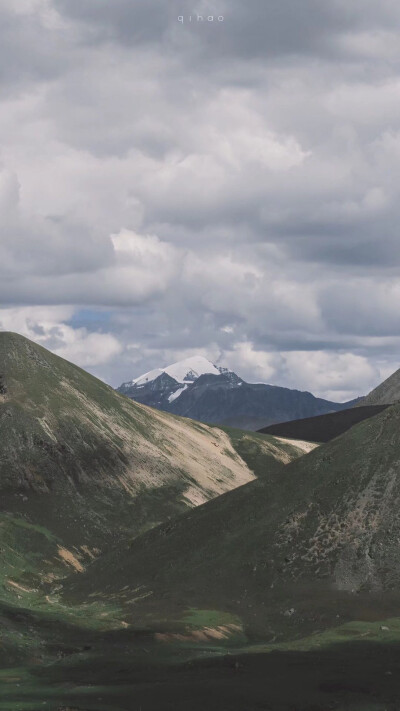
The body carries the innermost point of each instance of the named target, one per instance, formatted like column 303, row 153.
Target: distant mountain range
column 198, row 389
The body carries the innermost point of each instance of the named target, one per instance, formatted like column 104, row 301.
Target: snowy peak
column 189, row 369
column 184, row 371
column 147, row 377
column 198, row 389
column 163, row 387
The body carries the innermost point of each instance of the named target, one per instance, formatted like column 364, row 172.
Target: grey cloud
column 253, row 29
column 30, row 52
column 364, row 307
column 263, row 154
column 130, row 23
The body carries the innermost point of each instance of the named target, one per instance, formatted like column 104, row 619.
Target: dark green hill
column 314, row 546
column 323, row 428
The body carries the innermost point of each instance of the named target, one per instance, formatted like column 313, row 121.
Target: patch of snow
column 147, row 377
column 184, row 371
column 189, row 369
column 175, row 395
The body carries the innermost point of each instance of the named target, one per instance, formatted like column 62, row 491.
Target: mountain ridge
column 288, row 554
column 186, row 370
column 386, row 393
column 220, row 396
column 324, row 428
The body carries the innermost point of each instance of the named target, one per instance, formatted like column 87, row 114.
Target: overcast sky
column 228, row 188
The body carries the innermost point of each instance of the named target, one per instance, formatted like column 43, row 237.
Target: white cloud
column 232, row 193
column 46, row 326
column 258, row 366
column 236, row 134
column 86, row 349
column 33, row 321
column 331, row 375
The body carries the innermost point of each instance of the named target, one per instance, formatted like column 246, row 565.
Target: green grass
column 355, row 631
column 337, row 670
column 263, row 454
column 208, row 618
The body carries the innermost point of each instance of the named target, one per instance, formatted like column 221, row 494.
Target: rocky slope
column 387, row 393
column 195, row 388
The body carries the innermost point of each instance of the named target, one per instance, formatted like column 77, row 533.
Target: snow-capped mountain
column 198, row 389
column 184, row 371
column 163, row 386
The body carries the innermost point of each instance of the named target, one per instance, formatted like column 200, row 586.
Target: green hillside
column 257, row 448
column 83, row 469
column 312, row 547
column 279, row 594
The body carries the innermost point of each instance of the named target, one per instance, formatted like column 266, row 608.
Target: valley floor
column 354, row 677
column 355, row 667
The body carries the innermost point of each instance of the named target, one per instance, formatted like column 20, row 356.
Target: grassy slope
column 256, row 449
column 92, row 467
column 72, row 456
column 354, row 668
column 89, row 465
column 210, row 572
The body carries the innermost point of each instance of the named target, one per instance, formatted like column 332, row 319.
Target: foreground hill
column 82, row 467
column 314, row 546
column 198, row 389
column 323, row 428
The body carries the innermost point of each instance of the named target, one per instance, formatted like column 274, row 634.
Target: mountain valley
column 317, row 537
column 83, row 468
column 151, row 561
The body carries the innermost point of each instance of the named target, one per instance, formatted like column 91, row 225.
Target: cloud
column 261, row 366
column 47, row 327
column 337, row 376
column 86, row 349
column 56, row 260
column 332, row 375
column 230, row 188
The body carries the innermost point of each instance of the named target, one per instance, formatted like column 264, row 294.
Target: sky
column 225, row 187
